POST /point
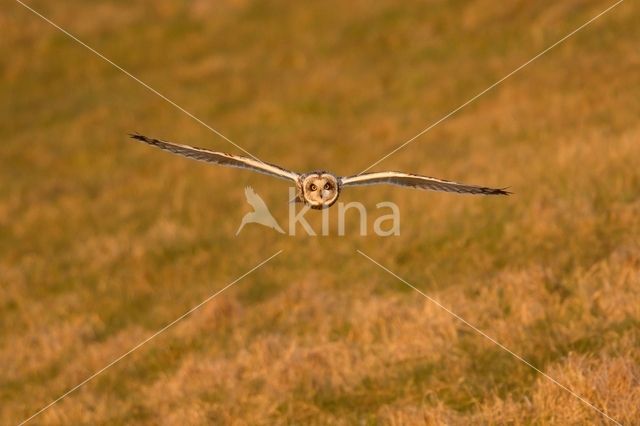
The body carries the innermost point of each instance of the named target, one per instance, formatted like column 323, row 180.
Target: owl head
column 319, row 189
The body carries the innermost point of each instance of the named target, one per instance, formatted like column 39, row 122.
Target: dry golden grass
column 103, row 241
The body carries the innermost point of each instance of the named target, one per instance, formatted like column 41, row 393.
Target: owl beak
column 325, row 194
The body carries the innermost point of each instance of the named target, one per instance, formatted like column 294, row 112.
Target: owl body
column 320, row 189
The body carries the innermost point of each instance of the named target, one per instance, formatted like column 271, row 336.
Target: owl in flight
column 320, row 189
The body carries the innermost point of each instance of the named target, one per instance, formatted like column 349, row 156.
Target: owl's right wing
column 419, row 182
column 220, row 158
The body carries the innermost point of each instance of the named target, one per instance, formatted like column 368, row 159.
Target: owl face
column 320, row 190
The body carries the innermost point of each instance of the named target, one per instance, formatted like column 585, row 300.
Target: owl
column 320, row 189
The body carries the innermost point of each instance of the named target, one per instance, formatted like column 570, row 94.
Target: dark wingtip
column 500, row 191
column 138, row 136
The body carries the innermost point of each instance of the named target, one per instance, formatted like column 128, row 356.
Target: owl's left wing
column 220, row 158
column 420, row 182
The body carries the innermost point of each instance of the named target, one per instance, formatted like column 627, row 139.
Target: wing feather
column 418, row 181
column 220, row 158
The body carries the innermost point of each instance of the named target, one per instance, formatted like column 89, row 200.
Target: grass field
column 104, row 241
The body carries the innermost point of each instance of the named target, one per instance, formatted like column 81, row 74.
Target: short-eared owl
column 320, row 189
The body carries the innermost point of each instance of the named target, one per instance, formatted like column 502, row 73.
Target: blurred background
column 103, row 241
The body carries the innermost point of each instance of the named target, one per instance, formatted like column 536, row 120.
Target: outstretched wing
column 420, row 182
column 220, row 158
column 254, row 199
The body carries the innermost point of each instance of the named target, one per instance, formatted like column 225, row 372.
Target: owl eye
column 327, row 186
column 313, row 187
